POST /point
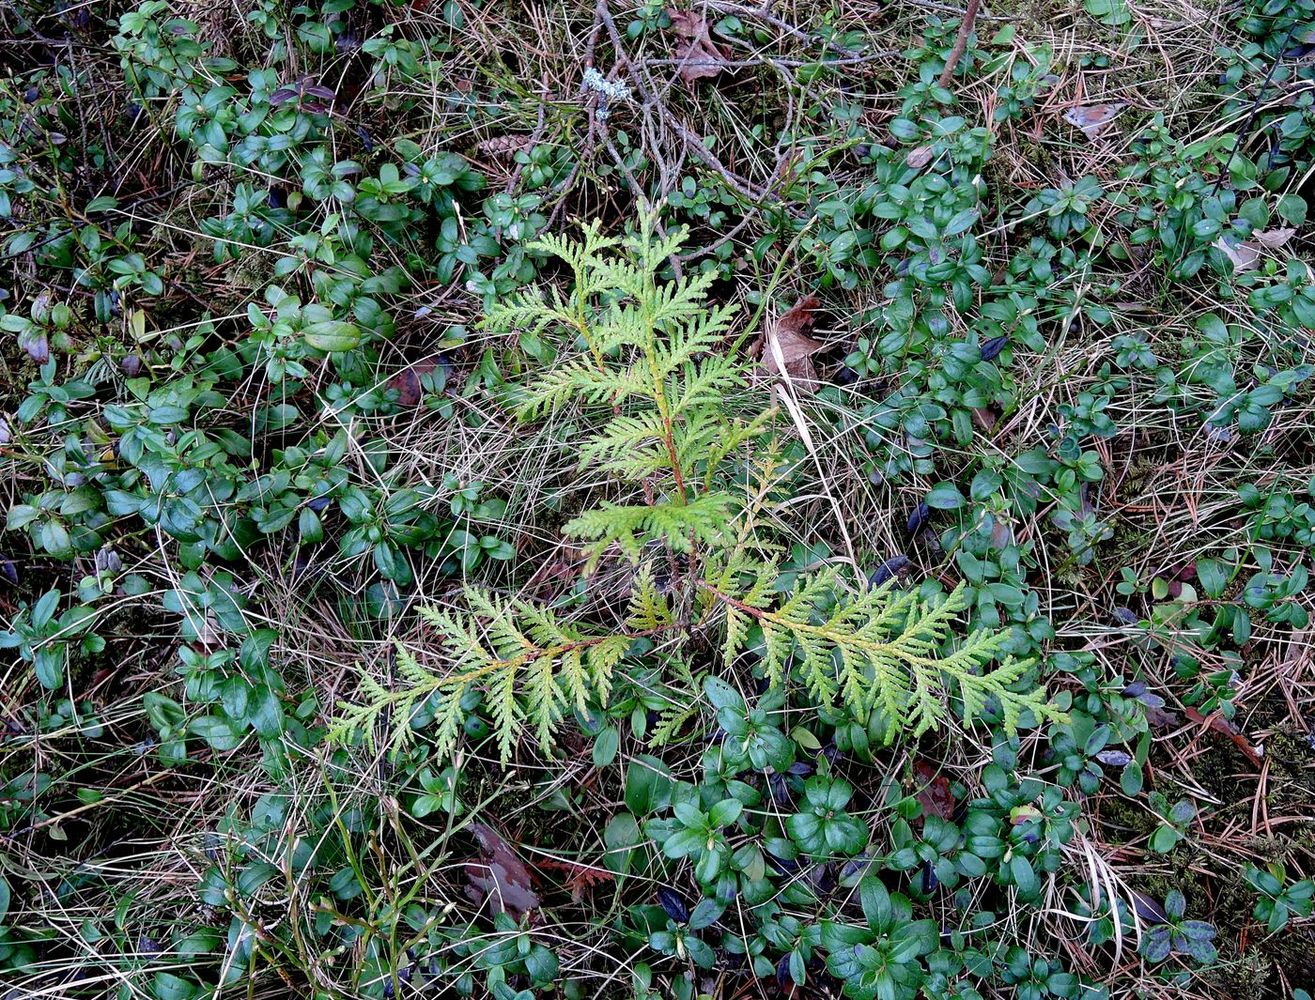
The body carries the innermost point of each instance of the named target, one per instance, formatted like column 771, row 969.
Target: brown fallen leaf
column 407, row 382
column 556, row 573
column 1244, row 257
column 984, row 418
column 499, row 876
column 935, row 795
column 579, row 878
column 1093, row 118
column 1274, row 238
column 919, row 157
column 700, row 57
column 1161, row 718
column 1247, row 254
column 1216, row 722
column 785, row 347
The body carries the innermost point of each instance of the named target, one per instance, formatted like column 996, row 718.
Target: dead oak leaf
column 786, row 349
column 699, row 56
column 579, row 878
column 1272, row 239
column 1093, row 118
column 985, row 418
column 935, row 795
column 1246, row 255
column 407, row 382
column 499, row 876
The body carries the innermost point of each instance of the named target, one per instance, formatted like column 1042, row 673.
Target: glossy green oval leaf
column 332, row 336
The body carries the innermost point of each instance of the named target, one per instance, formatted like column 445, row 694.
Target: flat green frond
column 700, row 332
column 447, row 725
column 737, row 629
column 703, row 385
column 579, row 254
column 883, row 650
column 649, row 609
column 632, row 527
column 525, row 307
column 557, row 245
column 732, row 437
column 530, row 667
column 622, row 437
column 382, row 707
column 601, row 659
column 500, row 699
column 679, row 301
column 683, row 703
column 542, row 627
column 581, row 382
column 618, row 330
column 651, row 250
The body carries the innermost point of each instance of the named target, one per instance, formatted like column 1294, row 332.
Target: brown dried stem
column 960, row 42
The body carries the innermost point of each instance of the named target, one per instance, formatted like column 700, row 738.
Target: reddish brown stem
column 960, row 43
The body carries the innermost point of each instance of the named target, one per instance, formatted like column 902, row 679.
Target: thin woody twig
column 692, row 142
column 960, row 42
